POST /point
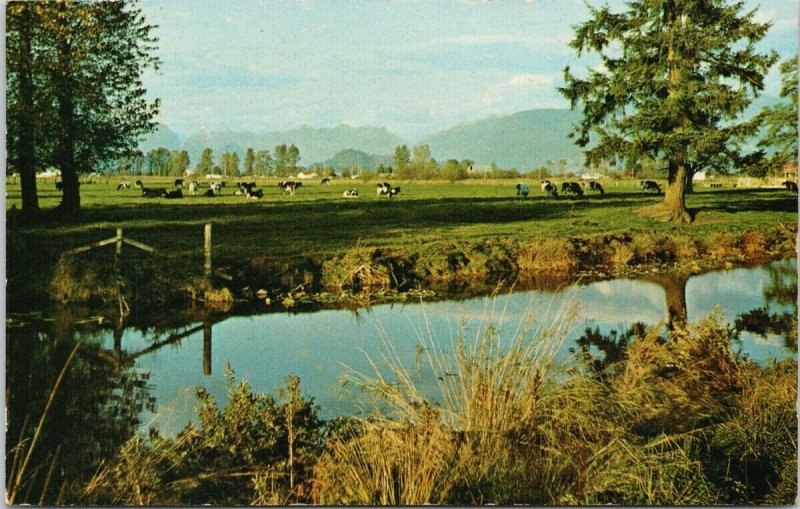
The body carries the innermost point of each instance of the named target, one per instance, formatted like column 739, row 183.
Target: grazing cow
column 123, row 185
column 383, row 188
column 326, row 180
column 650, row 185
column 210, row 192
column 790, row 186
column 522, row 191
column 59, row 186
column 138, row 184
column 179, row 183
column 177, row 193
column 350, row 193
column 153, row 192
column 290, row 187
column 216, row 186
column 194, row 186
column 595, row 186
column 571, row 187
column 394, row 192
column 551, row 190
column 544, row 184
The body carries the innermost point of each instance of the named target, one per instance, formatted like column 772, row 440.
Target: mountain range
column 524, row 140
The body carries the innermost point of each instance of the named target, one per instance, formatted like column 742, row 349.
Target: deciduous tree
column 81, row 62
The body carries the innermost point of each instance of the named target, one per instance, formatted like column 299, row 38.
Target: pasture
column 317, row 221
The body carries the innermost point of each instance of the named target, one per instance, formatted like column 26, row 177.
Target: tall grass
column 506, row 424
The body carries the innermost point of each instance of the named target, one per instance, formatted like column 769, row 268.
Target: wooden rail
column 118, row 239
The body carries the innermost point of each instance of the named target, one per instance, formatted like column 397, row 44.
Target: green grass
column 317, row 221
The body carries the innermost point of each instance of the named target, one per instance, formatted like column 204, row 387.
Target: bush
column 259, row 448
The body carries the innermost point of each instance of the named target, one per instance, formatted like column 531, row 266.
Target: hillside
column 355, row 158
column 163, row 136
column 524, row 140
column 315, row 144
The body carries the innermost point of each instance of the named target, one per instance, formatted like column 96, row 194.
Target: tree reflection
column 96, row 408
column 674, row 285
column 781, row 291
column 613, row 347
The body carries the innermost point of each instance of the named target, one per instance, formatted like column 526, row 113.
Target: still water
column 320, row 346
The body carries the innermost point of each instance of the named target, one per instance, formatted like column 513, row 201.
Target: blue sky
column 413, row 66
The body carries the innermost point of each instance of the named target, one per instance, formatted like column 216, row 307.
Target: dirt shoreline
column 369, row 275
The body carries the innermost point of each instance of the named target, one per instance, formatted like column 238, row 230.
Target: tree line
column 163, row 162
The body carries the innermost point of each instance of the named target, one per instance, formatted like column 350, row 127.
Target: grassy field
column 318, row 221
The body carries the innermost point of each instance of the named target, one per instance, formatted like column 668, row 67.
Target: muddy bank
column 367, row 275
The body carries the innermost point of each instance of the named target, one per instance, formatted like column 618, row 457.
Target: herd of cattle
column 289, row 187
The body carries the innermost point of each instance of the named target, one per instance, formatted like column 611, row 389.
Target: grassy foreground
column 433, row 233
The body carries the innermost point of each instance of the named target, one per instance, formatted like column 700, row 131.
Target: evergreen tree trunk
column 25, row 148
column 673, row 208
column 71, row 199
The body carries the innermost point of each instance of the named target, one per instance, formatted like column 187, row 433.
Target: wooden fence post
column 119, row 242
column 207, row 251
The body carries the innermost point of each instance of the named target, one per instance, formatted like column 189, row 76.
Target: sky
column 413, row 66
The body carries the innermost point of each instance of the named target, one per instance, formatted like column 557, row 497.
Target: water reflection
column 97, row 407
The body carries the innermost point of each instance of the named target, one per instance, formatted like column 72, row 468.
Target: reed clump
column 506, row 424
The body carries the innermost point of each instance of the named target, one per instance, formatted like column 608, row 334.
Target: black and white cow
column 153, row 192
column 123, row 185
column 650, row 185
column 210, row 192
column 325, row 180
column 383, row 188
column 595, row 186
column 544, row 184
column 394, row 192
column 790, row 186
column 551, row 190
column 138, row 184
column 522, row 191
column 571, row 187
column 350, row 193
column 178, row 183
column 177, row 193
column 253, row 194
column 194, row 186
column 289, row 187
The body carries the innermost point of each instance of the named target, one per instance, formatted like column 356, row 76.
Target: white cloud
column 476, row 39
column 527, row 80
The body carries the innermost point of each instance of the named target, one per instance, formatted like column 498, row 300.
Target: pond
column 103, row 400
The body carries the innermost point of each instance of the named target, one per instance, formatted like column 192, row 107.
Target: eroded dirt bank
column 368, row 274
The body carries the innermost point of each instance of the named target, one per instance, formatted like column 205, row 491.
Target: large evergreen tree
column 674, row 77
column 781, row 120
